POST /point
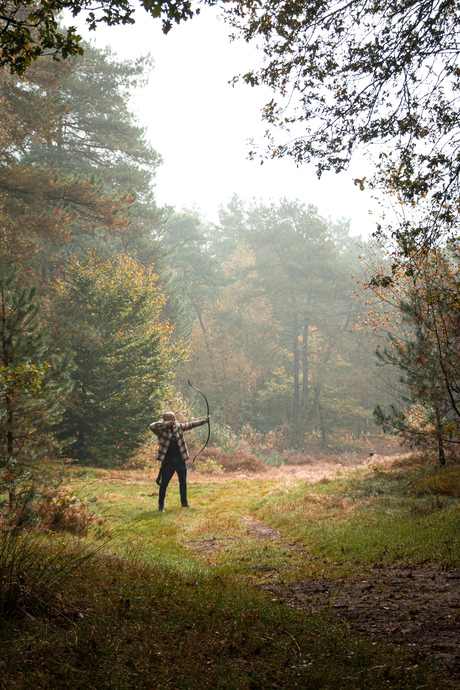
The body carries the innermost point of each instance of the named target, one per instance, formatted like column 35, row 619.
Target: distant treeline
column 273, row 291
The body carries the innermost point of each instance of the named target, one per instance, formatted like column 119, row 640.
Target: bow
column 209, row 423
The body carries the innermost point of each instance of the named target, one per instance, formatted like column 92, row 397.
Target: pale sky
column 201, row 125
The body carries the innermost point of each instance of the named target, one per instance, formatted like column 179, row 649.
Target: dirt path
column 412, row 606
column 419, row 608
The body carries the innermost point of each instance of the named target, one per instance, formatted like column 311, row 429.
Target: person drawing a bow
column 173, row 453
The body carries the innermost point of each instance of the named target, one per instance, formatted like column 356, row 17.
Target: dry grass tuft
column 61, row 510
column 445, row 481
column 51, row 510
column 290, row 459
column 319, row 458
column 412, row 460
column 208, row 465
column 235, row 462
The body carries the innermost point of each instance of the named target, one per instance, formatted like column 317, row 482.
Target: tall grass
column 35, row 563
column 35, row 570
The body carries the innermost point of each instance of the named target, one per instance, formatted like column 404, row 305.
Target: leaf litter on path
column 415, row 606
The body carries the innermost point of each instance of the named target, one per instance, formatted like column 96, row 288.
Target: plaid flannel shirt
column 165, row 433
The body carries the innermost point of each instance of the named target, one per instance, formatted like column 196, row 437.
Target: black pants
column 167, row 470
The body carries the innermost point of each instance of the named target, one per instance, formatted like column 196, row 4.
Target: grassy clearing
column 170, row 603
column 405, row 514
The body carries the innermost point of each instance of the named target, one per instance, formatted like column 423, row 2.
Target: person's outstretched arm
column 185, row 426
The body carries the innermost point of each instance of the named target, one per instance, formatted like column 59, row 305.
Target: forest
column 329, row 362
column 131, row 300
column 272, row 310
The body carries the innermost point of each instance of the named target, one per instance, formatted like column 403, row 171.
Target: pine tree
column 424, row 352
column 33, row 385
column 75, row 169
column 111, row 318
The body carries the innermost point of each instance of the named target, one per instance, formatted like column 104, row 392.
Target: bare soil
column 412, row 606
column 417, row 607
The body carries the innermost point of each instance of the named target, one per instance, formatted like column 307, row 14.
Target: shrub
column 273, row 460
column 49, row 510
column 208, row 466
column 145, row 456
column 234, row 462
column 61, row 510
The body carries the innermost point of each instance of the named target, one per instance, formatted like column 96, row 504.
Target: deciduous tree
column 361, row 74
column 279, row 331
column 29, row 29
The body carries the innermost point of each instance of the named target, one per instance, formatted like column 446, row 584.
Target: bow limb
column 209, row 422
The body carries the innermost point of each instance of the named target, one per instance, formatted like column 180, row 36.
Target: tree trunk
column 207, row 344
column 317, row 388
column 321, row 424
column 305, row 369
column 315, row 403
column 10, row 448
column 441, row 454
column 6, row 344
column 296, row 402
column 442, row 457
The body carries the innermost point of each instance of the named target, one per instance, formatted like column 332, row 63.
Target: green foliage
column 348, row 76
column 309, row 287
column 33, row 383
column 195, row 274
column 424, row 352
column 208, row 466
column 31, row 30
column 77, row 169
column 111, row 318
column 79, row 175
column 272, row 342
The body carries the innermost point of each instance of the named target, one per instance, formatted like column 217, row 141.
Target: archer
column 173, row 454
